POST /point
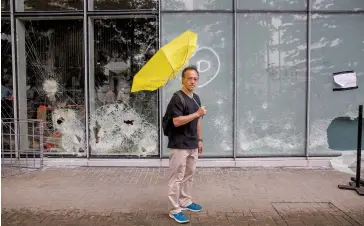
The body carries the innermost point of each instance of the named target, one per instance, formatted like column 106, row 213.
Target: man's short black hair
column 192, row 67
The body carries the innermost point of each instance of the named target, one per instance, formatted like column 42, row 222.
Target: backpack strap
column 179, row 94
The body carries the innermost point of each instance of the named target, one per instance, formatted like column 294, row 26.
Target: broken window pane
column 51, row 82
column 336, row 45
column 121, row 122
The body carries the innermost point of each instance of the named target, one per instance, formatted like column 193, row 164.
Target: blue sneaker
column 193, row 207
column 180, row 217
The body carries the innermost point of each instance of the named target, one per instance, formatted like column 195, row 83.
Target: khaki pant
column 182, row 165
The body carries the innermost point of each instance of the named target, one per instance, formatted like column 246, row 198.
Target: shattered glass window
column 121, row 122
column 54, row 91
column 336, row 45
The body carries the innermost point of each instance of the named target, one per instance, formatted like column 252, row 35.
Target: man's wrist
column 200, row 139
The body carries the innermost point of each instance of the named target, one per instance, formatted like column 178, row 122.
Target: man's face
column 190, row 80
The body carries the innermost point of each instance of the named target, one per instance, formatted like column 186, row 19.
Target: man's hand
column 182, row 120
column 200, row 147
column 201, row 111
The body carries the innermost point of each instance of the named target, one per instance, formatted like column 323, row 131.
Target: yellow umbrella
column 166, row 63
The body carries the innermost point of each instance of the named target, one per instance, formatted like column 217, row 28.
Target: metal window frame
column 161, row 91
column 160, row 97
column 86, row 82
column 14, row 70
column 235, row 81
column 308, row 79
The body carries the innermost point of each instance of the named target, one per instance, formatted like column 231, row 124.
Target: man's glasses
column 192, row 79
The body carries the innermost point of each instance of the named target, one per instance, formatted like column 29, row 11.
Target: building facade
column 266, row 74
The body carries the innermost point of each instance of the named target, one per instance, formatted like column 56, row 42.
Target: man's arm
column 182, row 120
column 199, row 135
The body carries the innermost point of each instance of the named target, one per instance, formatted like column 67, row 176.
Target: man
column 185, row 143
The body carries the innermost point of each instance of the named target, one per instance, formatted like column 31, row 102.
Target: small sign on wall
column 344, row 80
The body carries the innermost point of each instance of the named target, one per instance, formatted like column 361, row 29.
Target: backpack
column 166, row 122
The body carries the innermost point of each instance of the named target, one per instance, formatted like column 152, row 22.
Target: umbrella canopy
column 166, row 63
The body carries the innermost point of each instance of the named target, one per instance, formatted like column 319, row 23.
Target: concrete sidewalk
column 137, row 196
